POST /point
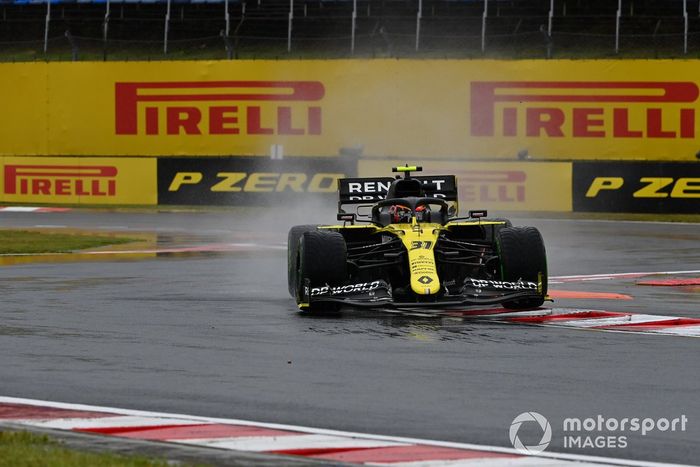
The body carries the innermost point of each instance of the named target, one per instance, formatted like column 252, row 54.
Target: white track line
column 103, row 422
column 602, row 221
column 490, row 462
column 288, row 443
column 19, row 209
column 685, row 331
column 346, row 434
column 616, row 320
column 32, row 209
column 616, row 275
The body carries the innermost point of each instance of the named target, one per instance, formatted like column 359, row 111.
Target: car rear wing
column 373, row 189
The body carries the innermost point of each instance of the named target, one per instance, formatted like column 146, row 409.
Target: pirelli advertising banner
column 497, row 186
column 241, row 181
column 78, row 180
column 553, row 109
column 662, row 187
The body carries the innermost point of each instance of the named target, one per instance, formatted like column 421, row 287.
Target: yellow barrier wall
column 73, row 180
column 497, row 186
column 558, row 109
column 24, row 109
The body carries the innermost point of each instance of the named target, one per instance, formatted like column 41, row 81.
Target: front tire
column 522, row 256
column 293, row 238
column 322, row 258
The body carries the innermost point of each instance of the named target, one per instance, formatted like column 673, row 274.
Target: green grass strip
column 23, row 449
column 32, row 242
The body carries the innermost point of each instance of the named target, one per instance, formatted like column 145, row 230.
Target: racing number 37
column 417, row 244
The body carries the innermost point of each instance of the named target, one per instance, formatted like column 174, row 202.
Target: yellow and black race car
column 405, row 247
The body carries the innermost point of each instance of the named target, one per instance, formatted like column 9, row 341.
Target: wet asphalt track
column 217, row 335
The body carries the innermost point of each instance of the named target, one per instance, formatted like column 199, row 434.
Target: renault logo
column 425, row 280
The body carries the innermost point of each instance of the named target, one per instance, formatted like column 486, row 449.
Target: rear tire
column 322, row 259
column 522, row 256
column 293, row 238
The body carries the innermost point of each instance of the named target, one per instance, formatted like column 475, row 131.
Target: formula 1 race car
column 405, row 247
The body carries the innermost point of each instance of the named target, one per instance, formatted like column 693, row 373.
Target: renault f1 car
column 405, row 246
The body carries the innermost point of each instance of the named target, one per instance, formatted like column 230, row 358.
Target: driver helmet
column 423, row 213
column 399, row 213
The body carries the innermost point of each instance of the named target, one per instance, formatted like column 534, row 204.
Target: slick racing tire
column 322, row 258
column 293, row 238
column 522, row 256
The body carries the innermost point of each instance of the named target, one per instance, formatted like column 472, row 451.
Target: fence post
column 685, row 27
column 289, row 26
column 236, row 37
column 73, row 46
column 352, row 34
column 551, row 15
column 547, row 40
column 167, row 29
column 418, row 18
column 656, row 42
column 227, row 18
column 105, row 31
column 46, row 26
column 483, row 26
column 617, row 26
column 227, row 44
